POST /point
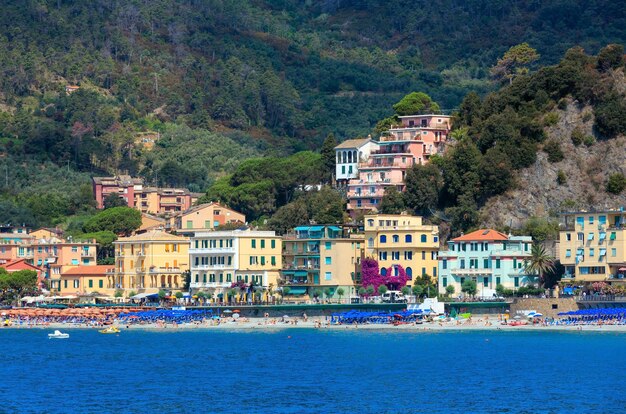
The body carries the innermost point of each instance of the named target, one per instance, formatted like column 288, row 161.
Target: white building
column 348, row 155
column 220, row 258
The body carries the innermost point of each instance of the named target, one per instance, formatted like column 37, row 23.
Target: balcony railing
column 170, row 270
column 209, row 267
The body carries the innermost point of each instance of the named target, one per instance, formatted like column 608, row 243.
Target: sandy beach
column 321, row 324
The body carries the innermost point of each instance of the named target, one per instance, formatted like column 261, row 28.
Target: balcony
column 207, row 267
column 459, row 271
column 166, row 270
column 141, row 253
column 85, row 254
column 366, row 194
column 378, row 163
column 296, row 282
column 212, row 250
column 140, row 270
column 198, row 285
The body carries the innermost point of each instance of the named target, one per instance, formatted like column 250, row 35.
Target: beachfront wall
column 319, row 258
column 81, row 280
column 402, row 240
column 592, row 246
column 220, row 258
column 487, row 257
column 149, row 262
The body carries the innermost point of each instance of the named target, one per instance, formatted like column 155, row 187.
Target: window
column 497, row 263
column 273, row 243
column 395, row 238
column 189, row 224
column 516, row 281
column 444, row 264
column 65, row 284
column 328, row 245
column 568, row 237
column 262, row 260
column 423, row 255
column 568, row 253
column 383, row 239
column 253, row 244
column 383, row 271
column 328, row 276
column 602, row 220
column 423, row 238
column 497, row 280
column 444, row 281
column 514, row 263
column 486, row 263
column 229, row 277
column 434, row 271
column 328, row 260
column 382, row 255
column 408, row 255
column 580, row 236
column 613, row 252
column 435, row 239
column 591, row 219
column 408, row 238
column 343, row 169
column 197, row 278
column 409, row 273
column 76, row 283
column 485, row 281
column 423, row 271
column 74, row 249
column 100, row 284
column 262, row 243
column 395, row 255
column 273, row 260
column 204, row 278
column 90, row 283
column 75, row 262
column 462, row 263
column 592, row 252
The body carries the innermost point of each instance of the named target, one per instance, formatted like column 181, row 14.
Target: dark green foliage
column 589, row 140
column 464, row 215
column 118, row 220
column 610, row 57
column 561, row 177
column 392, row 202
column 13, row 285
column 577, row 136
column 328, row 158
column 616, row 183
column 553, row 149
column 496, row 173
column 416, row 103
column 423, row 184
column 540, row 229
column 469, row 111
column 105, row 239
column 610, row 119
column 114, row 200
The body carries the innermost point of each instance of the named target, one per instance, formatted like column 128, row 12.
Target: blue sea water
column 309, row 371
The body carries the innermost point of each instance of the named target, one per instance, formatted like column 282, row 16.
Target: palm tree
column 539, row 262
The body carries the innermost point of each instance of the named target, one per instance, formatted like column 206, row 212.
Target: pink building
column 412, row 142
column 123, row 185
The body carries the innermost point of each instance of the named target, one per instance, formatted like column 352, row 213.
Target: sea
column 312, row 371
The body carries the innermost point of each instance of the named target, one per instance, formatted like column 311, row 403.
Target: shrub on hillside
column 561, row 178
column 551, row 119
column 553, row 149
column 589, row 140
column 578, row 136
column 616, row 183
column 610, row 57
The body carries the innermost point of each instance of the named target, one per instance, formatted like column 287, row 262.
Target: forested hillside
column 181, row 92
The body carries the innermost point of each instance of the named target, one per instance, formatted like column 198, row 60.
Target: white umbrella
column 235, row 315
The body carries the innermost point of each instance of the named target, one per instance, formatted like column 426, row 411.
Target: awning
column 334, row 228
column 580, row 252
column 316, row 228
column 299, row 290
column 145, row 295
column 602, row 252
column 302, row 228
column 622, row 269
column 602, row 235
column 612, row 235
column 590, row 237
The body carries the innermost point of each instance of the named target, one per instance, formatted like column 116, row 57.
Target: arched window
column 370, row 222
column 350, row 156
column 396, row 238
column 409, row 272
column 395, row 271
column 370, row 242
column 408, row 238
column 345, row 157
column 338, row 158
column 423, row 238
column 383, row 271
column 383, row 239
column 354, row 158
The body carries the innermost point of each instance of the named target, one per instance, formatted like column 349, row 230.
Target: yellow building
column 220, row 258
column 402, row 240
column 86, row 279
column 206, row 217
column 149, row 262
column 150, row 222
column 318, row 259
column 592, row 246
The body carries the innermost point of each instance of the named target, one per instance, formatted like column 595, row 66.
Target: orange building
column 86, row 279
column 206, row 217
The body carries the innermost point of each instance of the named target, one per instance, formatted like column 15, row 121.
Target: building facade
column 221, row 258
column 348, row 156
column 487, row 257
column 402, row 240
column 317, row 258
column 206, row 217
column 592, row 246
column 403, row 146
column 149, row 262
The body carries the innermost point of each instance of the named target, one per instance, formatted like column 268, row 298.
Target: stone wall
column 544, row 306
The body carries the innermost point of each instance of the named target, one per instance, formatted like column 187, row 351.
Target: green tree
column 514, row 62
column 416, row 103
column 405, row 290
column 392, row 201
column 382, row 289
column 418, row 290
column 114, row 200
column 328, row 293
column 423, row 185
column 539, row 262
column 118, row 220
column 553, row 149
column 289, row 216
column 469, row 287
column 362, row 291
column 179, row 295
column 449, row 290
column 328, row 158
column 496, row 173
column 340, row 293
column 610, row 57
column 616, row 183
column 370, row 290
column 469, row 110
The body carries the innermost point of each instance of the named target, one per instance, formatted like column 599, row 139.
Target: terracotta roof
column 483, row 235
column 353, row 143
column 15, row 262
column 153, row 235
column 97, row 270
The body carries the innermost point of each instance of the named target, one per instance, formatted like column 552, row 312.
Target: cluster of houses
column 183, row 246
column 310, row 260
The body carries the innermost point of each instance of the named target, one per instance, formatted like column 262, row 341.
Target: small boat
column 110, row 330
column 58, row 335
